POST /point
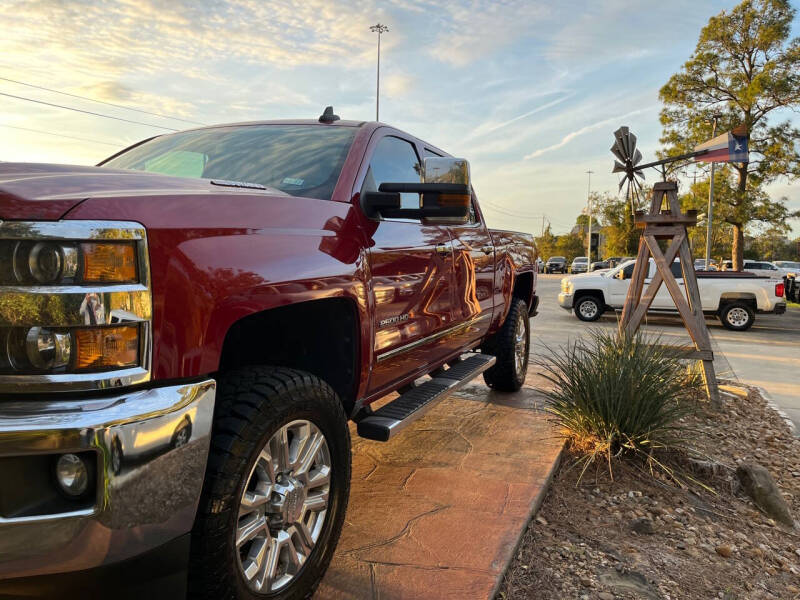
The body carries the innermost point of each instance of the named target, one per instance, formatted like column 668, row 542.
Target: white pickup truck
column 734, row 298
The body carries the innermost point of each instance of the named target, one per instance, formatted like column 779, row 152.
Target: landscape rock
column 761, row 487
column 724, row 550
column 643, row 526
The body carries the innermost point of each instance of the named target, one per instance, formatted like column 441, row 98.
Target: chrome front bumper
column 565, row 300
column 148, row 483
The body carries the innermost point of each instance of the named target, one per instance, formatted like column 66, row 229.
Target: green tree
column 546, row 244
column 721, row 231
column 621, row 234
column 745, row 69
column 570, row 245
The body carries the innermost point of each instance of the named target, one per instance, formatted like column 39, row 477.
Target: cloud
column 398, row 84
column 491, row 126
column 476, row 29
column 579, row 132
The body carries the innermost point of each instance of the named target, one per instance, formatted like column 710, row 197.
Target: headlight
column 75, row 305
column 67, row 263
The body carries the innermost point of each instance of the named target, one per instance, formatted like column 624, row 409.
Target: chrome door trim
column 433, row 337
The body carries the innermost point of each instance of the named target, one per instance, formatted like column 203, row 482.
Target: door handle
column 442, row 249
column 487, row 249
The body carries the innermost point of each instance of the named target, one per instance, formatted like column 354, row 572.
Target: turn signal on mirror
column 107, row 347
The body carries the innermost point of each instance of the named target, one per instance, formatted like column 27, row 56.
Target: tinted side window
column 394, row 161
column 629, row 270
column 676, row 270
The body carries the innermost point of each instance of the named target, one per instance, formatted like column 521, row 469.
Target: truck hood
column 34, row 191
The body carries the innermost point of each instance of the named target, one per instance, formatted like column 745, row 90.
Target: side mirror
column 445, row 194
column 621, row 274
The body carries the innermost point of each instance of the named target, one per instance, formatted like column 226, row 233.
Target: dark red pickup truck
column 186, row 329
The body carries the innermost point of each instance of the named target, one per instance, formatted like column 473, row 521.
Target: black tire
column 252, row 404
column 116, row 456
column 588, row 307
column 737, row 316
column 182, row 434
column 506, row 375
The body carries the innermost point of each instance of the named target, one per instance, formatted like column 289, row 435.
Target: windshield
column 301, row 160
column 581, row 259
column 788, row 264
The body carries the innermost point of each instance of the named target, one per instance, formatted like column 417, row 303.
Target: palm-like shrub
column 618, row 394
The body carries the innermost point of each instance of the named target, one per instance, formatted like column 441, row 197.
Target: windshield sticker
column 293, row 181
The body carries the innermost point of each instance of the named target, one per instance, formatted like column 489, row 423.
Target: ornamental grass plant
column 620, row 395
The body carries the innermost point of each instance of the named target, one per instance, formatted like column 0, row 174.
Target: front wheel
column 737, row 316
column 588, row 308
column 510, row 345
column 276, row 488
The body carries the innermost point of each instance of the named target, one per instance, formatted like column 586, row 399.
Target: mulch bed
column 691, row 542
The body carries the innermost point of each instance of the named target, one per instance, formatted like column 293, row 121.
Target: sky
column 530, row 91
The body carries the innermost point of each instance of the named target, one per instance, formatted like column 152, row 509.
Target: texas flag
column 728, row 147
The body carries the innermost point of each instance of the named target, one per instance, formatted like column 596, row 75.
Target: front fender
column 215, row 260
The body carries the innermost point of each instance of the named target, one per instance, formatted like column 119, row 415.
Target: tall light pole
column 589, row 201
column 379, row 29
column 710, row 202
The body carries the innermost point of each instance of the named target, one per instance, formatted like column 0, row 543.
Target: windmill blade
column 618, row 153
column 620, row 136
column 637, row 156
column 631, row 144
column 640, row 174
column 619, row 167
column 622, row 182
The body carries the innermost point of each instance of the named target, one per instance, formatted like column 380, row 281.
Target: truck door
column 473, row 269
column 663, row 299
column 411, row 266
column 618, row 287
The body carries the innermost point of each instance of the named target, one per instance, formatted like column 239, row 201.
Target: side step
column 388, row 420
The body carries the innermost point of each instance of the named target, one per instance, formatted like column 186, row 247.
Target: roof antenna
column 328, row 116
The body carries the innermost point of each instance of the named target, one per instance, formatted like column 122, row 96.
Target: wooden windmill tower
column 664, row 222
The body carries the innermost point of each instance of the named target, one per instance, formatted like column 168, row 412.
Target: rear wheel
column 737, row 316
column 276, row 487
column 510, row 345
column 588, row 308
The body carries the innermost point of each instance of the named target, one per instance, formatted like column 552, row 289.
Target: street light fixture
column 379, row 29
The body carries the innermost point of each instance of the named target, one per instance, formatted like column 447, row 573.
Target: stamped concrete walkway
column 437, row 512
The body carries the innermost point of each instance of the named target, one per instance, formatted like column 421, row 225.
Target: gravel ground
column 640, row 536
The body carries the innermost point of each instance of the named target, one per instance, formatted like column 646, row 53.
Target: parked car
column 271, row 281
column 761, row 268
column 600, row 264
column 733, row 298
column 556, row 264
column 700, row 265
column 788, row 267
column 613, row 261
column 580, row 264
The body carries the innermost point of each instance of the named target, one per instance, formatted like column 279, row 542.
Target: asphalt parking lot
column 767, row 355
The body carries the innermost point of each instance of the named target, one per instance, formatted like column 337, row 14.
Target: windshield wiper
column 238, row 184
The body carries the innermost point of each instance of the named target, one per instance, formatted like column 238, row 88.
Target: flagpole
column 709, row 214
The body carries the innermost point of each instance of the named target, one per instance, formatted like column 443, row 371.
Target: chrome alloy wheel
column 283, row 507
column 588, row 308
column 738, row 316
column 520, row 345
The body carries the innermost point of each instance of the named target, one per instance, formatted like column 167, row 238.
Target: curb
column 535, row 506
column 737, row 389
column 771, row 403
